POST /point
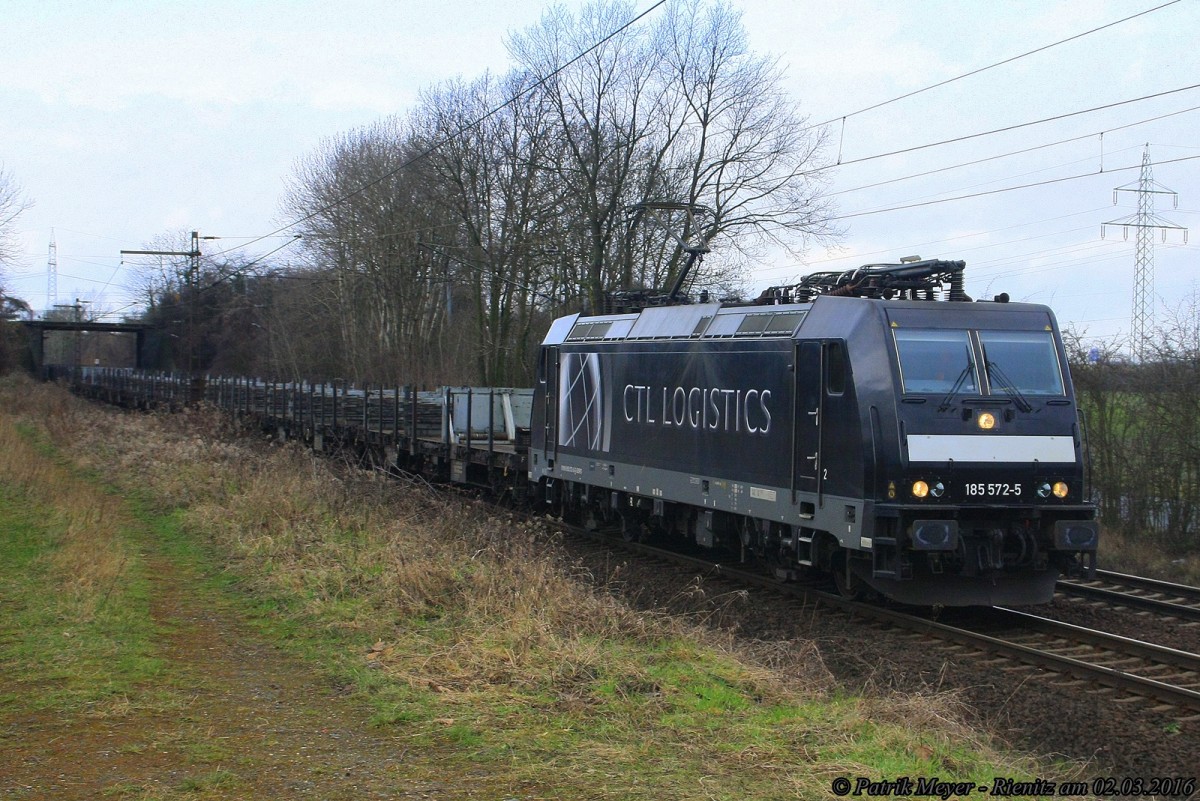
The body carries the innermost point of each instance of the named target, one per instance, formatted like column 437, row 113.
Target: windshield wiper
column 1009, row 387
column 954, row 390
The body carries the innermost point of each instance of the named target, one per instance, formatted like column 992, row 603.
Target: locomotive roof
column 714, row 321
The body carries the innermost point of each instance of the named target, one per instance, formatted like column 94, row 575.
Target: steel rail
column 1152, row 585
column 1106, row 675
column 1115, row 643
column 1178, row 600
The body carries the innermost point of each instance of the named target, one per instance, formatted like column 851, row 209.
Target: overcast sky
column 124, row 121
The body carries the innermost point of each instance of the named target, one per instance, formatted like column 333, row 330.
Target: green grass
column 60, row 649
column 223, row 779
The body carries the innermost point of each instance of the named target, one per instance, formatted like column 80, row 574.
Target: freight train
column 875, row 426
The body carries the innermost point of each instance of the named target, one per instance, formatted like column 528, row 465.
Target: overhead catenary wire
column 541, row 81
column 905, row 96
column 390, row 234
column 1014, row 127
column 291, row 224
column 1047, row 182
column 919, row 245
column 426, row 151
column 1010, row 153
column 437, row 143
column 467, row 126
column 245, row 268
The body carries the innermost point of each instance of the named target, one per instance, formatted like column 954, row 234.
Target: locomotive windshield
column 1025, row 362
column 1015, row 363
column 936, row 361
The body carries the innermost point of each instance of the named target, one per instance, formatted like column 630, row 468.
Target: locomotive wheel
column 847, row 584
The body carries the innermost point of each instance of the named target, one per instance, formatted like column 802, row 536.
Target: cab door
column 549, row 377
column 808, row 413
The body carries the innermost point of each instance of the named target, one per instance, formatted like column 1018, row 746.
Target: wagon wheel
column 632, row 529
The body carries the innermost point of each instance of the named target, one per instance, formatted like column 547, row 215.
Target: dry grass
column 364, row 552
column 1129, row 553
column 90, row 558
column 481, row 632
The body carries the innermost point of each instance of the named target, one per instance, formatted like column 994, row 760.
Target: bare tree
column 437, row 245
column 1143, row 432
column 488, row 166
column 684, row 112
column 1170, row 375
column 12, row 204
column 154, row 279
column 202, row 306
column 602, row 106
column 742, row 150
column 365, row 209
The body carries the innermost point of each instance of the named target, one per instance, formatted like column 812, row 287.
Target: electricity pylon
column 52, row 274
column 1145, row 221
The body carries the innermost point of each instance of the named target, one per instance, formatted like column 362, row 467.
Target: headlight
column 920, row 489
column 986, row 421
column 1058, row 489
column 938, row 489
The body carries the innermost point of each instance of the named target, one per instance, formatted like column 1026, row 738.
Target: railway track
column 1153, row 671
column 1137, row 592
column 1127, row 667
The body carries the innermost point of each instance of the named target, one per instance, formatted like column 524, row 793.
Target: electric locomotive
column 876, row 425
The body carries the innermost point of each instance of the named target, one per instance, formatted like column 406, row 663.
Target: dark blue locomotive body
column 927, row 450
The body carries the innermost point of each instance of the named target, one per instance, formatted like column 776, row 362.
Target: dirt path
column 236, row 717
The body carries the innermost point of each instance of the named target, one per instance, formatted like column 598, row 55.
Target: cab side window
column 835, row 368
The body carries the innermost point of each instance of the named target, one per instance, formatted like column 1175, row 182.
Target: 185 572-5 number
column 993, row 490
